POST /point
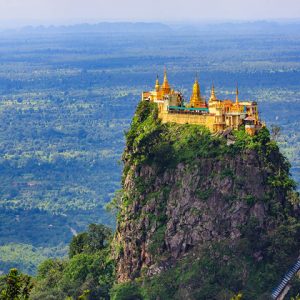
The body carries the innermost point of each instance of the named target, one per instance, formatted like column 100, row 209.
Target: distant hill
column 242, row 27
column 104, row 27
column 231, row 27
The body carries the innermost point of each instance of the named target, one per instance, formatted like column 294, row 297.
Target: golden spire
column 165, row 86
column 196, row 88
column 196, row 100
column 213, row 94
column 157, row 85
column 237, row 94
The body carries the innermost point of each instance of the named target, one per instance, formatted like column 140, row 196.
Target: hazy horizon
column 35, row 23
column 17, row 13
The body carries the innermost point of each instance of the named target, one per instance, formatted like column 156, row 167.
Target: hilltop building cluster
column 217, row 115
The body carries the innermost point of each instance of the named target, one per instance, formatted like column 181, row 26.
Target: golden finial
column 165, row 74
column 237, row 94
column 165, row 86
column 157, row 85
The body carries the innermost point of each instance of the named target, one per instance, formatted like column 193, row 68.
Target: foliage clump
column 88, row 274
column 15, row 286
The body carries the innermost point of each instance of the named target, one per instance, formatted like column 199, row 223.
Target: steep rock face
column 208, row 200
column 185, row 191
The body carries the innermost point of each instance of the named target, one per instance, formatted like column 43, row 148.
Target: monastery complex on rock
column 217, row 115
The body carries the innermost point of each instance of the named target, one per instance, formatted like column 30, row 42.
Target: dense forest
column 66, row 99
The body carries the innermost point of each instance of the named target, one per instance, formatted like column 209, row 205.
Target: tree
column 98, row 237
column 17, row 286
column 78, row 244
column 95, row 239
column 275, row 132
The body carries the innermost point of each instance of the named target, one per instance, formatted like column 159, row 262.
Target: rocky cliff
column 202, row 219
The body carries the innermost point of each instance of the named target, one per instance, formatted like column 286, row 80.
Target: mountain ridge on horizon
column 108, row 27
column 268, row 26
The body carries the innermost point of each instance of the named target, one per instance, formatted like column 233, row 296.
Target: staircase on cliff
column 286, row 279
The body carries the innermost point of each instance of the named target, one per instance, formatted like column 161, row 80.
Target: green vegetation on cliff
column 148, row 141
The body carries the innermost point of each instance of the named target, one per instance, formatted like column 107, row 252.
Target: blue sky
column 15, row 12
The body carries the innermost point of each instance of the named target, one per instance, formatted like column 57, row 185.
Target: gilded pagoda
column 217, row 115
